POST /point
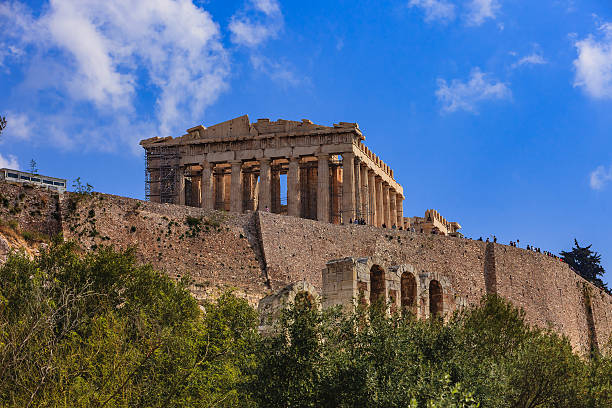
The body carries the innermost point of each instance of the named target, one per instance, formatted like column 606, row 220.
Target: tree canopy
column 586, row 262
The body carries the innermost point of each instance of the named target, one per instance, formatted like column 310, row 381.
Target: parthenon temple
column 328, row 173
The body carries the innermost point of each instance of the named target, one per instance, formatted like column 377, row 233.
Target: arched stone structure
column 408, row 285
column 378, row 287
column 347, row 280
column 436, row 299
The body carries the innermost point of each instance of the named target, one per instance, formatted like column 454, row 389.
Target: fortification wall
column 297, row 249
column 221, row 252
column 548, row 290
column 217, row 250
column 31, row 208
column 601, row 304
column 255, row 251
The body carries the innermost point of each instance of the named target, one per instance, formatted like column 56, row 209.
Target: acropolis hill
column 215, row 213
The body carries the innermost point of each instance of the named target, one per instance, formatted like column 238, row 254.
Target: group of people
column 358, row 221
column 362, row 221
column 516, row 243
column 539, row 251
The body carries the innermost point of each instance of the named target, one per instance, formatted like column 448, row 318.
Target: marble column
column 293, row 187
column 181, row 185
column 386, row 205
column 348, row 187
column 393, row 210
column 236, row 189
column 275, row 188
column 264, row 185
column 379, row 202
column 220, row 189
column 399, row 205
column 207, row 191
column 357, row 172
column 323, row 187
column 247, row 189
column 372, row 216
column 365, row 194
column 335, row 194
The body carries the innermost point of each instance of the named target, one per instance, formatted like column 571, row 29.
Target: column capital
column 322, row 155
column 294, row 158
column 264, row 160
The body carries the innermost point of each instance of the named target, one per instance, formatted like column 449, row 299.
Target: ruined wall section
column 216, row 249
column 28, row 216
column 31, row 208
column 601, row 304
column 549, row 291
column 297, row 249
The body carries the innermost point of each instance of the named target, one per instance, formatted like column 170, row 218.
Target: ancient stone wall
column 548, row 290
column 31, row 208
column 216, row 249
column 261, row 252
column 297, row 248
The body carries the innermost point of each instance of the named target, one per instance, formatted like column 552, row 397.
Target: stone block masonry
column 551, row 294
column 259, row 253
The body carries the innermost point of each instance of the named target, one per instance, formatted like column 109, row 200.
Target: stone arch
column 408, row 292
column 378, row 286
column 436, row 298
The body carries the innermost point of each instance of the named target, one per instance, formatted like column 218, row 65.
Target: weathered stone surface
column 259, row 253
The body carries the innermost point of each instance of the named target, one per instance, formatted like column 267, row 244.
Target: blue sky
column 497, row 113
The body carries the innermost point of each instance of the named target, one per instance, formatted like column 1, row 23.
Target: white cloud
column 532, row 59
column 435, row 10
column 9, row 161
column 594, row 63
column 106, row 51
column 280, row 72
column 600, row 177
column 466, row 95
column 481, row 10
column 257, row 23
column 269, row 7
column 18, row 126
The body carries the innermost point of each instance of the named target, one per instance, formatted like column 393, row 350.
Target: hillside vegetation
column 97, row 329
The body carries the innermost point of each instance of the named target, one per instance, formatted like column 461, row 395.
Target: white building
column 16, row 176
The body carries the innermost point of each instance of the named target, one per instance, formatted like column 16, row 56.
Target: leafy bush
column 98, row 330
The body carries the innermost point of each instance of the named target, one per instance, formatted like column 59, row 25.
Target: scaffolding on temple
column 161, row 173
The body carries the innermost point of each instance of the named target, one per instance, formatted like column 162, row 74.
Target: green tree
column 33, row 167
column 80, row 188
column 98, row 330
column 586, row 262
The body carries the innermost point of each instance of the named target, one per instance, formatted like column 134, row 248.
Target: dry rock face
column 260, row 253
